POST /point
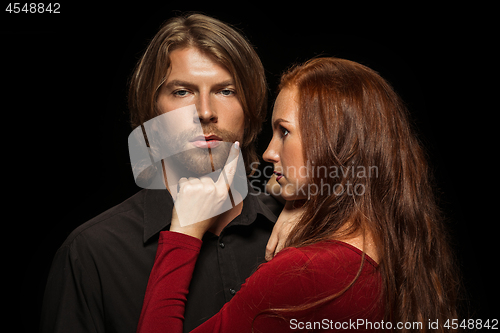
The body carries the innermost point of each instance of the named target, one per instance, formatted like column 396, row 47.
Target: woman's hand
column 288, row 218
column 201, row 200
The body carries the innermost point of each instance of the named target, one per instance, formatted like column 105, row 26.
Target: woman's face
column 285, row 149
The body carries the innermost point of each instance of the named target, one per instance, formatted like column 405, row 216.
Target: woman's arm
column 168, row 283
column 281, row 282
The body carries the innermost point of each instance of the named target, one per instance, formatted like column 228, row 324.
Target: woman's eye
column 284, row 131
column 180, row 93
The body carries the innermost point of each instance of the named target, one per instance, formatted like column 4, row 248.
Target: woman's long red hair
column 351, row 118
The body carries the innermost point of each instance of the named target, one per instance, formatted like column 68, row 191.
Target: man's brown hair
column 226, row 46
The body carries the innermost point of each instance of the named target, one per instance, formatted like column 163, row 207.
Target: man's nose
column 206, row 110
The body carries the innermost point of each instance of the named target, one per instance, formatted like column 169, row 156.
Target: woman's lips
column 211, row 141
column 278, row 175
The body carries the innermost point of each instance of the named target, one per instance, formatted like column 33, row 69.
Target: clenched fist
column 200, row 200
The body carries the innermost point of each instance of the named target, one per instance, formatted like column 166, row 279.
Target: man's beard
column 201, row 161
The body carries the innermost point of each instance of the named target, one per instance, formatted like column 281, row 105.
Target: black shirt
column 99, row 275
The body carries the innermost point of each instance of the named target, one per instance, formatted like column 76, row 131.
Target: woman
column 367, row 249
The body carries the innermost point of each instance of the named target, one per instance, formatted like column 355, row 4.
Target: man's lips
column 209, row 141
column 278, row 175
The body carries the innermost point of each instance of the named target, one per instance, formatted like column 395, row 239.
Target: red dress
column 296, row 276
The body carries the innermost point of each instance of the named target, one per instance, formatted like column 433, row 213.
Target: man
column 99, row 275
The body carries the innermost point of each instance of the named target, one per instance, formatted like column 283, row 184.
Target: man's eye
column 180, row 93
column 227, row 92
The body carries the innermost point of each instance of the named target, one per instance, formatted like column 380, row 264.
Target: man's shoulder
column 126, row 215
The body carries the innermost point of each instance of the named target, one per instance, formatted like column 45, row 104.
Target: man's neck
column 225, row 218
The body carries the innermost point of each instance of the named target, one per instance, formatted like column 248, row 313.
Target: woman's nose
column 271, row 155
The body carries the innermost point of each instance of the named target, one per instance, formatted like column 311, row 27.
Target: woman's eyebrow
column 278, row 121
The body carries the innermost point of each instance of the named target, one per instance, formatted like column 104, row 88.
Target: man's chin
column 198, row 161
column 193, row 162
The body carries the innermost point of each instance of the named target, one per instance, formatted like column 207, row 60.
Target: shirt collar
column 158, row 205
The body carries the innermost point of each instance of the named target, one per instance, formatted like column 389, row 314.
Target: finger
column 192, row 184
column 284, row 231
column 280, row 245
column 206, row 180
column 271, row 245
column 181, row 182
column 208, row 185
column 229, row 169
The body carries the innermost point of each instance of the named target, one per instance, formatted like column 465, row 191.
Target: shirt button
column 222, row 245
column 232, row 291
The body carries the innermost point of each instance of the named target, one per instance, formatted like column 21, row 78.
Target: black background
column 65, row 118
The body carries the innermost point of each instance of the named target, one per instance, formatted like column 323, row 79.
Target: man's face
column 195, row 78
